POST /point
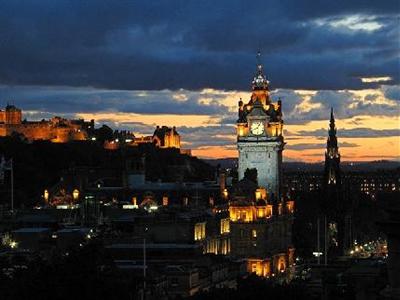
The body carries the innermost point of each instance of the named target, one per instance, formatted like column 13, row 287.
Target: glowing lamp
column 240, row 130
column 13, row 244
column 165, row 201
column 46, row 196
column 75, row 195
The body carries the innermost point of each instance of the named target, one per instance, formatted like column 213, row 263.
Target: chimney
column 222, row 182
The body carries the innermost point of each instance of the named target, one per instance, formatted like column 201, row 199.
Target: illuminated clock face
column 257, row 128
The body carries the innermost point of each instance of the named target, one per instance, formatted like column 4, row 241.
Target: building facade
column 57, row 129
column 166, row 137
column 333, row 205
column 332, row 158
column 11, row 115
column 259, row 136
column 261, row 219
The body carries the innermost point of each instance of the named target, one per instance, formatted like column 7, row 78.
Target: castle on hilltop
column 61, row 130
column 56, row 129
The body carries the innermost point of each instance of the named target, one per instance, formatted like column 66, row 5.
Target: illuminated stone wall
column 57, row 130
column 172, row 140
column 11, row 115
column 249, row 239
column 259, row 266
column 249, row 213
column 45, row 131
column 266, row 157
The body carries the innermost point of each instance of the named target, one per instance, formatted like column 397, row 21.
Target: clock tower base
column 266, row 157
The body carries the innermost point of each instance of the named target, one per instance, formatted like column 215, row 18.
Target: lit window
column 199, row 231
column 254, row 233
column 254, row 268
column 225, row 226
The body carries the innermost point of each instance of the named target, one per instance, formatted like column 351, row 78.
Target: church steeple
column 332, row 146
column 332, row 128
column 333, row 204
column 332, row 155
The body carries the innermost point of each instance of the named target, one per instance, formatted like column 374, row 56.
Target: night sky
column 135, row 64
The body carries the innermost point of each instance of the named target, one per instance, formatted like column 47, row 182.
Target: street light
column 46, row 196
column 75, row 195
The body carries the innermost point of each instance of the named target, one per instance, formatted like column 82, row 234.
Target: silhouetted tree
column 251, row 174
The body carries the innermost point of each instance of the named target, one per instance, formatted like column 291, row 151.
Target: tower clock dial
column 257, row 128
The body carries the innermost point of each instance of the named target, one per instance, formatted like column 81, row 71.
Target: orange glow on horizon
column 302, row 144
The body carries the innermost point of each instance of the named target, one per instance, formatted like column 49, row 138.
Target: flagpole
column 326, row 242
column 318, row 248
column 12, row 186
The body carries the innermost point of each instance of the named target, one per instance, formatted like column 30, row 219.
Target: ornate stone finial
column 259, row 82
column 259, row 58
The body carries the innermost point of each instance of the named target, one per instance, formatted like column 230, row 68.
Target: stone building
column 166, row 137
column 261, row 219
column 261, row 230
column 259, row 136
column 11, row 115
column 163, row 137
column 57, row 129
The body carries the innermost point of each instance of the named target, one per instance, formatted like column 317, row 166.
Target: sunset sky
column 137, row 64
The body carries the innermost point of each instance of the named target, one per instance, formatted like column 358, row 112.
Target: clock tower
column 259, row 136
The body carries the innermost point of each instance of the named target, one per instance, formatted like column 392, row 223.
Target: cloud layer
column 146, row 45
column 135, row 64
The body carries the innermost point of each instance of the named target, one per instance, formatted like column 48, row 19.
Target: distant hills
column 315, row 167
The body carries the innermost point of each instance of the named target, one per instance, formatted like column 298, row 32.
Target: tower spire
column 260, row 81
column 332, row 127
column 332, row 156
column 258, row 56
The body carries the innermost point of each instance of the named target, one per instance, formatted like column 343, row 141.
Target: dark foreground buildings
column 172, row 232
column 150, row 222
column 333, row 203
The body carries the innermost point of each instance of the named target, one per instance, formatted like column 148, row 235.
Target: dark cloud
column 353, row 133
column 208, row 135
column 392, row 92
column 64, row 100
column 195, row 44
column 347, row 104
column 308, row 146
column 47, row 100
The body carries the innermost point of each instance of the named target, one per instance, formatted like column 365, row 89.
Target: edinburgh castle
column 57, row 129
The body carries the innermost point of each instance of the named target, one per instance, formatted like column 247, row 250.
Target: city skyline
column 133, row 73
column 165, row 150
